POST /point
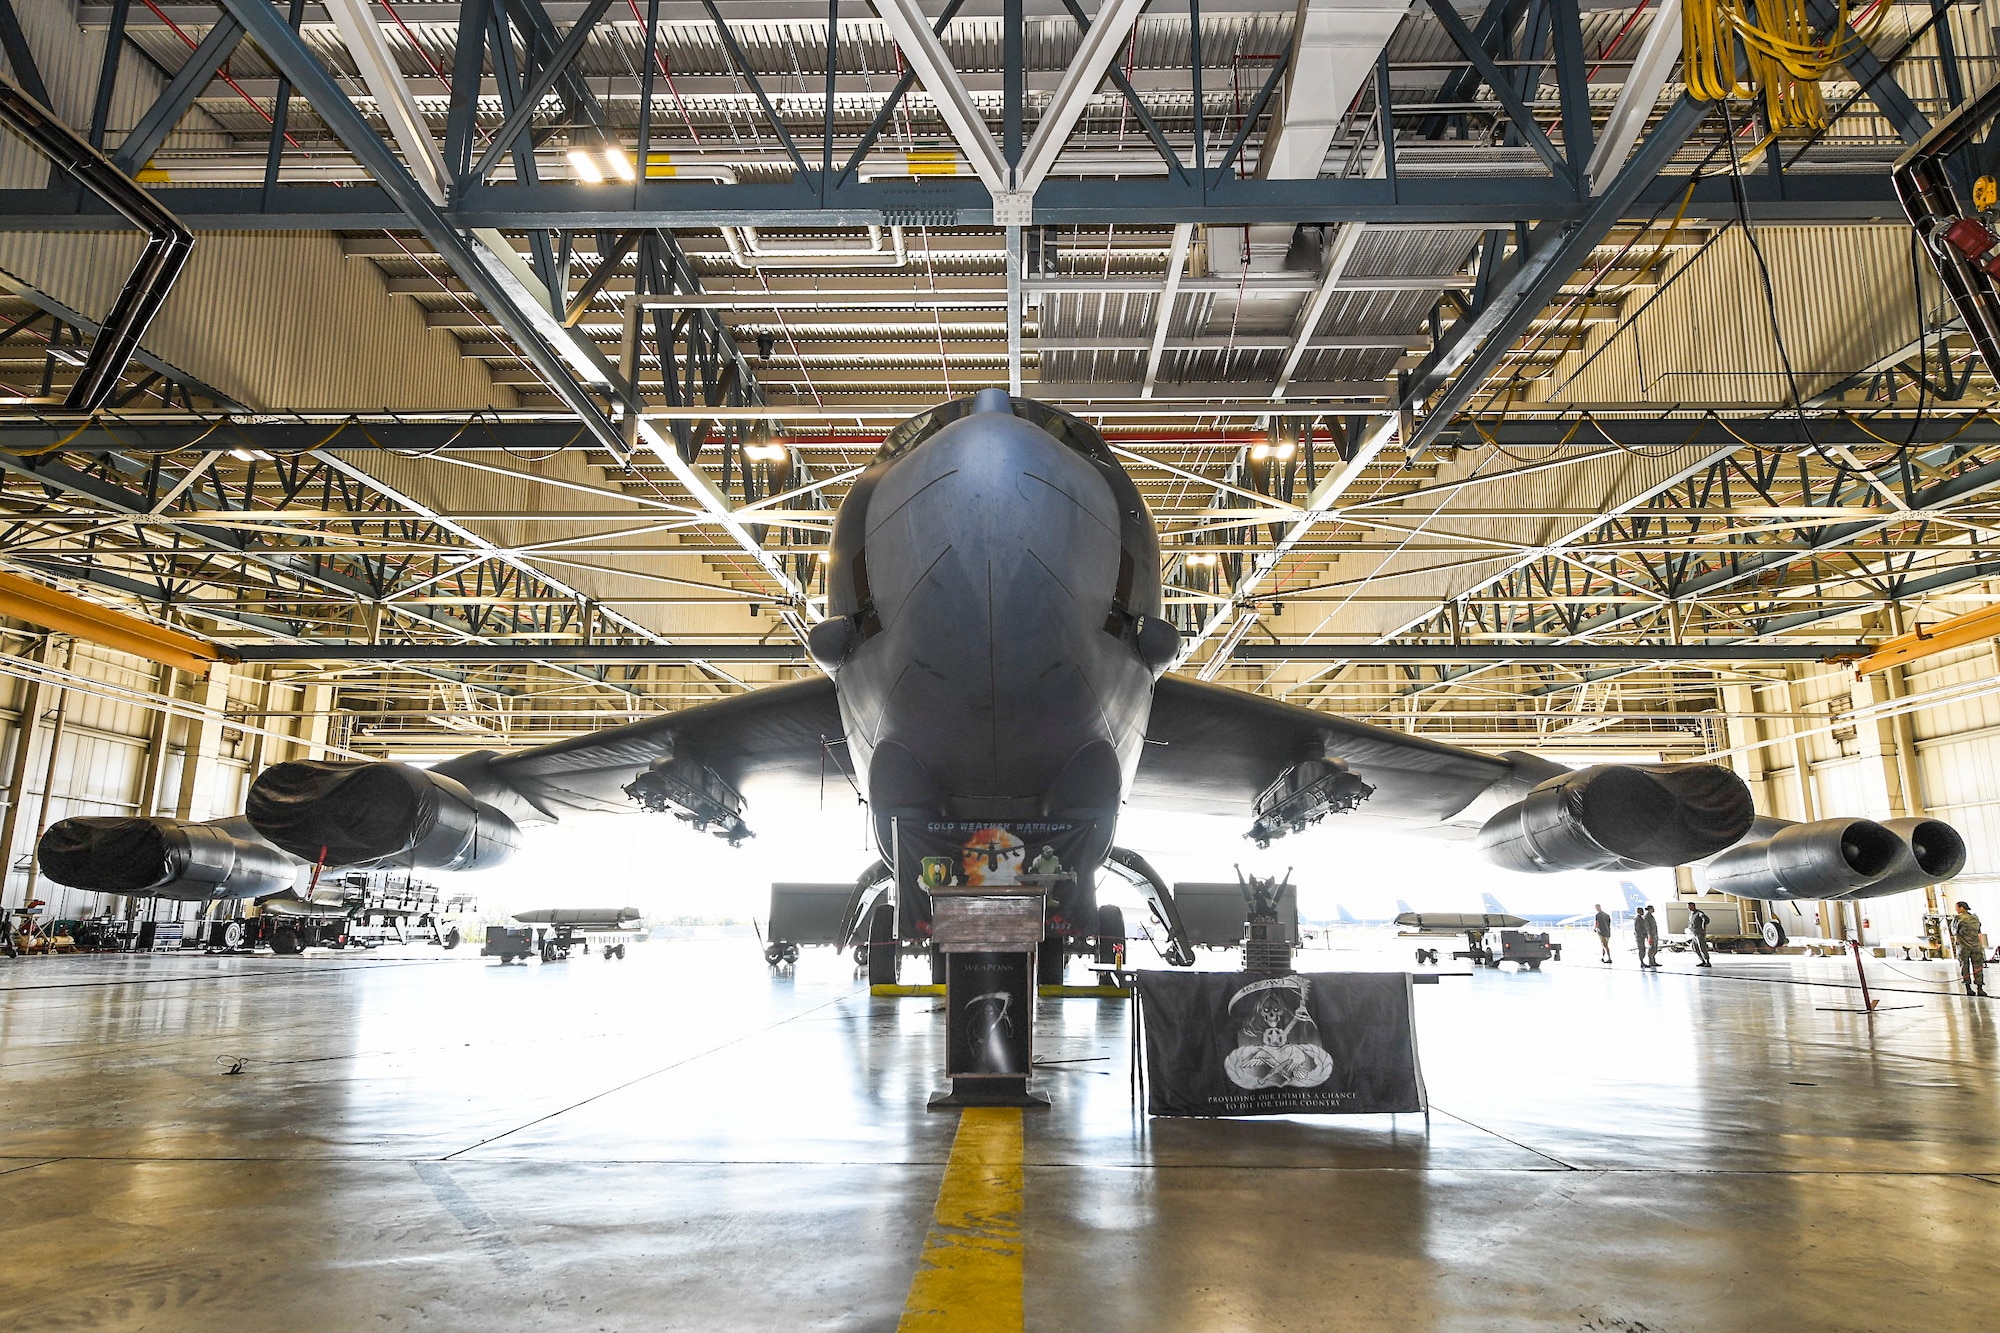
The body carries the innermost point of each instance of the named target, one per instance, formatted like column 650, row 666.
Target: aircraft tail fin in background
column 1634, row 898
column 1492, row 904
column 1402, row 907
column 1342, row 915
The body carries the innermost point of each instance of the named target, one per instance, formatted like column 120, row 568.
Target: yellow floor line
column 969, row 1280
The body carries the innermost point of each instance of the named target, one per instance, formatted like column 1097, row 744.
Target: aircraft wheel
column 860, row 957
column 1052, row 960
column 285, row 940
column 883, row 955
column 1775, row 936
column 1110, row 934
column 774, row 954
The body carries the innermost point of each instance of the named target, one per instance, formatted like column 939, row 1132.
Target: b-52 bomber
column 995, row 667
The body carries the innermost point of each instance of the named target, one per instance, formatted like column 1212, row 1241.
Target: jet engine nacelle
column 357, row 813
column 1620, row 817
column 1933, row 852
column 1829, row 858
column 162, row 858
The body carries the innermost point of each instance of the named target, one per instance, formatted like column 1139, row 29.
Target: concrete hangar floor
column 684, row 1141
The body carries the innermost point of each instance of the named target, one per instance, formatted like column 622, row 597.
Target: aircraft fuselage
column 996, row 595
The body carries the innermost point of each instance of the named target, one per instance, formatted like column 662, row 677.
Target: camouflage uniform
column 1971, row 951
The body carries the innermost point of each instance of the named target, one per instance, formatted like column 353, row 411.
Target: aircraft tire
column 1110, row 934
column 1052, row 960
column 883, row 955
column 1775, row 936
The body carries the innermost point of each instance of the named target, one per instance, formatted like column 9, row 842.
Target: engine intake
column 1620, row 817
column 1830, row 858
column 358, row 813
column 162, row 858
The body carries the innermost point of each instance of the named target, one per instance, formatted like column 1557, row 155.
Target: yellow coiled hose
column 1786, row 60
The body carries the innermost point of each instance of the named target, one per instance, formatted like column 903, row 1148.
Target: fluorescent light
column 250, row 455
column 69, row 356
column 764, row 453
column 621, row 165
column 1285, row 449
column 584, row 165
column 1260, row 451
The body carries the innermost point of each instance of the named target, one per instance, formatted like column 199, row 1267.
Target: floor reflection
column 683, row 1139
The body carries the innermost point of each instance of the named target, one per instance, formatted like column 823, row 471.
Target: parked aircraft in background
column 1635, row 899
column 1343, row 917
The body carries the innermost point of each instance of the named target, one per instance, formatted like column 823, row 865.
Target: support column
column 204, row 746
column 25, row 727
column 154, row 774
column 1881, row 774
column 1801, row 765
column 317, row 724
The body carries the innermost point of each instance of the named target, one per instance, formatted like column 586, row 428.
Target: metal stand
column 988, row 935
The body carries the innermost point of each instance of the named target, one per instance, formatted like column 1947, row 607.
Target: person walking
column 1639, row 933
column 1603, row 924
column 1652, row 938
column 1971, row 945
column 1698, row 933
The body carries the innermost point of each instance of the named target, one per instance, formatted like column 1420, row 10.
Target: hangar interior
column 1489, row 380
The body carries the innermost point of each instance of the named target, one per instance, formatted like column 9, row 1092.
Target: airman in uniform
column 1971, row 945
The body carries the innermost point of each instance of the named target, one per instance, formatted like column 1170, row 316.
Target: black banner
column 932, row 852
column 988, row 1033
column 1322, row 1043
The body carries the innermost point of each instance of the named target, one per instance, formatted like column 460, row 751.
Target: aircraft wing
column 1214, row 749
column 783, row 734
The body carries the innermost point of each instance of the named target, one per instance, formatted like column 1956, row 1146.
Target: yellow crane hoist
column 1786, row 58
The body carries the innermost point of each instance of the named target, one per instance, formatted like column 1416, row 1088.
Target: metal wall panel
column 1845, row 296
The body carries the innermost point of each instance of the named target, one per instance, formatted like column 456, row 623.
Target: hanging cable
column 1785, row 60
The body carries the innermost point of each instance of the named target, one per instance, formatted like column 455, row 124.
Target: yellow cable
column 1786, row 59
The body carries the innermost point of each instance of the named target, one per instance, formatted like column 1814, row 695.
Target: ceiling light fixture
column 620, row 165
column 585, row 165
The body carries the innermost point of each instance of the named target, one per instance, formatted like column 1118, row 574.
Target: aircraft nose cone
column 993, row 555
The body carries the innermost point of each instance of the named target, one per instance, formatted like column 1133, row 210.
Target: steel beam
column 377, row 63
column 1101, row 41
column 175, row 99
column 552, row 348
column 1862, row 194
column 539, row 87
column 1494, row 654
column 926, row 55
column 1163, row 312
column 493, row 654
